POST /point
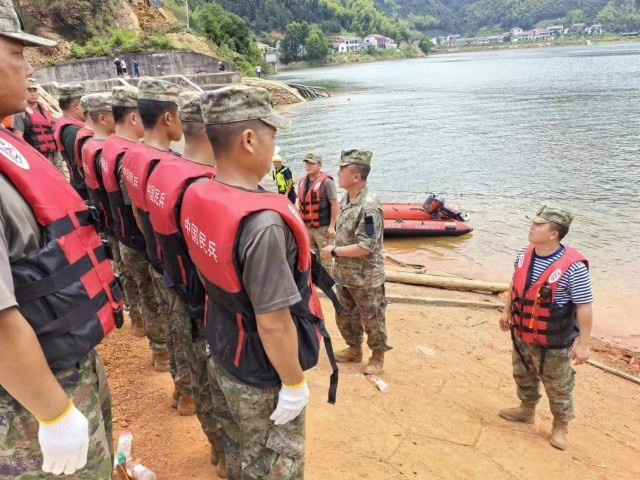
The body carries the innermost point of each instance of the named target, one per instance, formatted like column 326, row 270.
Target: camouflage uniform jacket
column 366, row 271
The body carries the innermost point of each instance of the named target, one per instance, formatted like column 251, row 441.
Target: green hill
column 473, row 16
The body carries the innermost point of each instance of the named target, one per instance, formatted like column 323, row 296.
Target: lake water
column 498, row 134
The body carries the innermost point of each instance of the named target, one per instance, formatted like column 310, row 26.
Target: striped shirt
column 575, row 283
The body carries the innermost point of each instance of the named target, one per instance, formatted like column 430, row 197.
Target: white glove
column 291, row 401
column 64, row 442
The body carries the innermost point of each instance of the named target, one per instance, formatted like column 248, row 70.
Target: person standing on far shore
column 136, row 68
column 548, row 309
column 259, row 70
column 221, row 67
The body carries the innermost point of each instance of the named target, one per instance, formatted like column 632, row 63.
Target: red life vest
column 165, row 189
column 211, row 216
column 66, row 290
column 124, row 223
column 137, row 164
column 39, row 131
column 537, row 318
column 82, row 136
column 90, row 151
column 76, row 180
column 315, row 211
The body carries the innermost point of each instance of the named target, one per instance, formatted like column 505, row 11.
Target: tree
column 316, row 45
column 425, row 45
column 295, row 36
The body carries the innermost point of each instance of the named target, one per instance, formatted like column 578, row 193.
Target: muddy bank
column 439, row 419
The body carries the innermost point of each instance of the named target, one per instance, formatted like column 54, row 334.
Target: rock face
column 280, row 92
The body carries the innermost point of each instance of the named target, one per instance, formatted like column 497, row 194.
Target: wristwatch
column 334, row 254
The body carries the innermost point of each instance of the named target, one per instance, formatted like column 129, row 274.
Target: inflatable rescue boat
column 430, row 219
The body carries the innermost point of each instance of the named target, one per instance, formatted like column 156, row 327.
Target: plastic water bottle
column 382, row 386
column 137, row 471
column 124, row 444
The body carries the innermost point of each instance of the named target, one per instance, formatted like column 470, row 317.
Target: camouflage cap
column 158, row 90
column 313, row 158
column 552, row 215
column 240, row 103
column 68, row 91
column 83, row 103
column 125, row 96
column 11, row 27
column 32, row 83
column 189, row 104
column 355, row 157
column 98, row 102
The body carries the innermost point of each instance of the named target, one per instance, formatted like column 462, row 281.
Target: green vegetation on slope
column 472, row 16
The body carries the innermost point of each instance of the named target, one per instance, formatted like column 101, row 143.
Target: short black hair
column 192, row 129
column 95, row 116
column 561, row 229
column 223, row 135
column 363, row 170
column 120, row 114
column 65, row 103
column 150, row 111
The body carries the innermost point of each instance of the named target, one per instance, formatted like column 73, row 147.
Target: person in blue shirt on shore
column 548, row 310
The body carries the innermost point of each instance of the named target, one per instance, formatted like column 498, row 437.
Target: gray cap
column 98, row 102
column 70, row 90
column 355, row 157
column 158, row 90
column 125, row 96
column 240, row 103
column 313, row 158
column 189, row 104
column 11, row 27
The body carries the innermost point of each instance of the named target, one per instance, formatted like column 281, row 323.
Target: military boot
column 375, row 365
column 161, row 363
column 175, row 397
column 560, row 434
column 525, row 413
column 186, row 406
column 351, row 354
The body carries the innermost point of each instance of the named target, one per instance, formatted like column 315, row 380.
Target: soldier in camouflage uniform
column 550, row 317
column 50, row 423
column 263, row 426
column 359, row 266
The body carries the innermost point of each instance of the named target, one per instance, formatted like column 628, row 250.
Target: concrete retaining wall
column 154, row 64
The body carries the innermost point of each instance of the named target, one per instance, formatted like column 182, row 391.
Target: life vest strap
column 59, row 280
column 547, row 331
column 75, row 318
column 324, row 282
column 65, row 225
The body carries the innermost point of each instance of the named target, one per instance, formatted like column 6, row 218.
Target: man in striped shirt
column 548, row 310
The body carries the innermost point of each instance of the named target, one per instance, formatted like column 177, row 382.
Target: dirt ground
column 439, row 419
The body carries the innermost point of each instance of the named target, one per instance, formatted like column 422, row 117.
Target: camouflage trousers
column 363, row 311
column 20, row 455
column 255, row 448
column 143, row 304
column 178, row 340
column 191, row 348
column 318, row 239
column 161, row 323
column 558, row 378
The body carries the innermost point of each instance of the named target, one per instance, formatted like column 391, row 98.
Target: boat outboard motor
column 436, row 207
column 432, row 204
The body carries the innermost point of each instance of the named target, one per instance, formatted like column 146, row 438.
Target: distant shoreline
column 354, row 59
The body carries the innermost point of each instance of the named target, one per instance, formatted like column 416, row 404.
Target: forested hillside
column 473, row 16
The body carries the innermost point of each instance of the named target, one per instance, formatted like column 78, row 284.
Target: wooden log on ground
column 450, row 283
column 441, row 302
column 614, row 371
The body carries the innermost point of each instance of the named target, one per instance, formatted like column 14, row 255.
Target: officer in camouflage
column 49, row 423
column 359, row 266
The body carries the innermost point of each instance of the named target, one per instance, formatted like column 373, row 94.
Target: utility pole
column 186, row 7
